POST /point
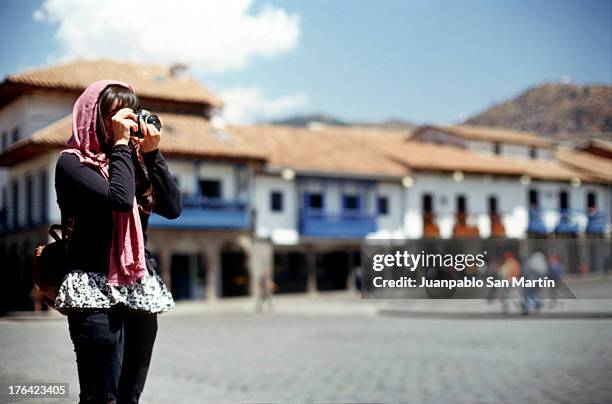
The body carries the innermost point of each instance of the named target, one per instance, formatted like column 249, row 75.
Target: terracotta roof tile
column 184, row 136
column 381, row 152
column 599, row 167
column 149, row 81
column 326, row 150
column 488, row 134
column 329, row 150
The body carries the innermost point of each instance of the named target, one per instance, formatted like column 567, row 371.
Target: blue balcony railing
column 206, row 214
column 566, row 224
column 536, row 224
column 596, row 223
column 346, row 225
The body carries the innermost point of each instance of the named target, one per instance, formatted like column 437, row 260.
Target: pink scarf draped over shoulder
column 127, row 259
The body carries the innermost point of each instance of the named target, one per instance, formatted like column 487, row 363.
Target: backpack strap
column 53, row 229
column 67, row 235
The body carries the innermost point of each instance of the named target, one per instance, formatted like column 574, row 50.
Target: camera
column 146, row 117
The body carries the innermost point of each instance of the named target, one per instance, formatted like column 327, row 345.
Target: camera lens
column 154, row 120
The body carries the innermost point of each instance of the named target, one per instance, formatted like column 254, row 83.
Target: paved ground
column 318, row 356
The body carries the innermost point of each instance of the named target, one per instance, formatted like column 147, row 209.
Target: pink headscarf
column 127, row 259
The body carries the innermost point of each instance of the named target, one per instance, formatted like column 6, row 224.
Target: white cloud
column 248, row 104
column 208, row 35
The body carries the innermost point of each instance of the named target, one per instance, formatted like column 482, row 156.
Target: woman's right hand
column 122, row 122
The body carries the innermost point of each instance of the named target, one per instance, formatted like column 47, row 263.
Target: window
column 210, row 188
column 427, row 203
column 461, row 204
column 351, row 202
column 591, row 200
column 44, row 182
column 276, row 201
column 15, row 208
column 533, row 152
column 533, row 198
column 3, row 209
column 497, row 148
column 314, row 201
column 15, row 134
column 563, row 200
column 493, row 205
column 29, row 201
column 382, row 204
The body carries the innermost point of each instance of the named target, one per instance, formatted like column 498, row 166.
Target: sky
column 427, row 61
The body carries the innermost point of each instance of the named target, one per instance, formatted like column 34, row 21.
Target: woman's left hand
column 152, row 137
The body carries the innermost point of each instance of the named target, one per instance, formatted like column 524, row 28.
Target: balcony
column 536, row 224
column 206, row 214
column 596, row 223
column 567, row 224
column 430, row 227
column 345, row 225
column 463, row 229
column 497, row 227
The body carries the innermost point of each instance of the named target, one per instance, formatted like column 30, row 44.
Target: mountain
column 306, row 120
column 326, row 119
column 554, row 109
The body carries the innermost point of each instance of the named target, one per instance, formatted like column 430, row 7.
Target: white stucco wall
column 185, row 172
column 19, row 173
column 281, row 226
column 390, row 226
column 511, row 203
column 509, row 150
column 32, row 112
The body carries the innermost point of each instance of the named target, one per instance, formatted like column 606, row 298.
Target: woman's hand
column 152, row 137
column 122, row 122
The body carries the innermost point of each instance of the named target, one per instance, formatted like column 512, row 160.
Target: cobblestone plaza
column 324, row 358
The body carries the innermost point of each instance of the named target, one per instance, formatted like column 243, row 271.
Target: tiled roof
column 339, row 151
column 183, row 136
column 149, row 81
column 328, row 150
column 488, row 134
column 599, row 167
column 381, row 152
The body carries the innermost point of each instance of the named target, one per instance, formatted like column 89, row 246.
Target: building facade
column 297, row 201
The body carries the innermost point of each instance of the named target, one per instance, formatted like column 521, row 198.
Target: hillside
column 326, row 119
column 554, row 109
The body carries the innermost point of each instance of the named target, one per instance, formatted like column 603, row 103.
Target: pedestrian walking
column 266, row 289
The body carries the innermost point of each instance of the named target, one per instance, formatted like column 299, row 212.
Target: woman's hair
column 112, row 99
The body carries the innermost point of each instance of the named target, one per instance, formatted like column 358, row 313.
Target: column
column 350, row 279
column 164, row 265
column 311, row 264
column 212, row 272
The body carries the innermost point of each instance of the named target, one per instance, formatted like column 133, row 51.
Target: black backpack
column 51, row 265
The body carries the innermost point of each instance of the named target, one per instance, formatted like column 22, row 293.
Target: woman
column 107, row 184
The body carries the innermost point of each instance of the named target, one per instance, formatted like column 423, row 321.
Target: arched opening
column 201, row 276
column 180, row 277
column 234, row 271
column 333, row 270
column 290, row 271
column 15, row 298
column 26, row 278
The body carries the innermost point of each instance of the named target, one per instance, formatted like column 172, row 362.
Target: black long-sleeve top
column 83, row 193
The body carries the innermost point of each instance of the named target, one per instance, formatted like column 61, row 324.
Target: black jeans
column 113, row 350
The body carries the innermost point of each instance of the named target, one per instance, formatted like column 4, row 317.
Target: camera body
column 146, row 117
